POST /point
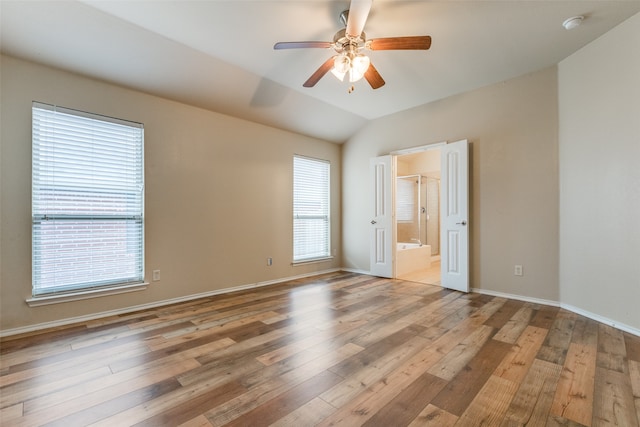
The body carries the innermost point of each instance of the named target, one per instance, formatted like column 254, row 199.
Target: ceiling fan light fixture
column 359, row 66
column 341, row 66
column 339, row 75
column 341, row 63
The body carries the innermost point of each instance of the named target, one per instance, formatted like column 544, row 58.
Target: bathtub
column 412, row 257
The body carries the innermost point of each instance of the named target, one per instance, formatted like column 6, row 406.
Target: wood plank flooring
column 337, row 349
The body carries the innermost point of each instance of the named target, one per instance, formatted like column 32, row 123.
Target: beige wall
column 218, row 193
column 218, row 189
column 512, row 128
column 599, row 107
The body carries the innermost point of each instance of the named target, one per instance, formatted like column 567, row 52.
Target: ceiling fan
column 350, row 42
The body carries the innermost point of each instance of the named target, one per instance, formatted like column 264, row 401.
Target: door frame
column 419, row 149
column 413, row 150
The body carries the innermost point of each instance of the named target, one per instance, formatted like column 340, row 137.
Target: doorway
column 453, row 213
column 417, row 189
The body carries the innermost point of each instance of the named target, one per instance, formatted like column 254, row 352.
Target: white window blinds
column 405, row 200
column 87, row 200
column 311, row 225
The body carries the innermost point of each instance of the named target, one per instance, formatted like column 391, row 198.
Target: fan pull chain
column 351, row 89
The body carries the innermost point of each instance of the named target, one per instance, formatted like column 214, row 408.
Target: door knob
column 462, row 223
column 373, row 221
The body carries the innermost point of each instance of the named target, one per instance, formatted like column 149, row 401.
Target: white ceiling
column 219, row 54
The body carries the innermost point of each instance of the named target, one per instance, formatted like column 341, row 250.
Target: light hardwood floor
column 338, row 349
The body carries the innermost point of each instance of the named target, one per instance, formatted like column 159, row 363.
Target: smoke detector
column 573, row 22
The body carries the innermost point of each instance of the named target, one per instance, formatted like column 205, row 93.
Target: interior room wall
column 599, row 142
column 512, row 128
column 218, row 194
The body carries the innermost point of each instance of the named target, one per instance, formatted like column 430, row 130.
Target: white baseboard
column 516, row 297
column 569, row 307
column 602, row 319
column 94, row 316
column 355, row 270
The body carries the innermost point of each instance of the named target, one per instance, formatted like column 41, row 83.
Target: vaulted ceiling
column 219, row 55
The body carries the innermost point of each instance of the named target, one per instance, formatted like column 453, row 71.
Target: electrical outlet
column 269, row 262
column 518, row 270
column 156, row 275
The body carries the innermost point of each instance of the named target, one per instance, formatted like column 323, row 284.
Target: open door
column 381, row 222
column 454, row 216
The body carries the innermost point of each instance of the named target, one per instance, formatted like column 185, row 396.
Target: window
column 311, row 225
column 87, row 200
column 405, row 199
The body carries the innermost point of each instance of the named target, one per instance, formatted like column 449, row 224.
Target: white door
column 454, row 225
column 381, row 221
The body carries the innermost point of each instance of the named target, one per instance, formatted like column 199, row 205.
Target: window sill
column 312, row 261
column 86, row 294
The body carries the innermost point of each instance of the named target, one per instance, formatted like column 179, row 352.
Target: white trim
column 80, row 319
column 355, row 270
column 569, row 307
column 311, row 260
column 84, row 294
column 419, row 149
column 602, row 319
column 516, row 297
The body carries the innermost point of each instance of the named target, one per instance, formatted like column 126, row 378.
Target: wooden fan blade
column 373, row 77
column 320, row 72
column 300, row 45
column 358, row 12
column 399, row 43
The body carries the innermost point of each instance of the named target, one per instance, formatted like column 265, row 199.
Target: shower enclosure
column 418, row 211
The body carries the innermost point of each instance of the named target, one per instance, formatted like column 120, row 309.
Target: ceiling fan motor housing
column 343, row 43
